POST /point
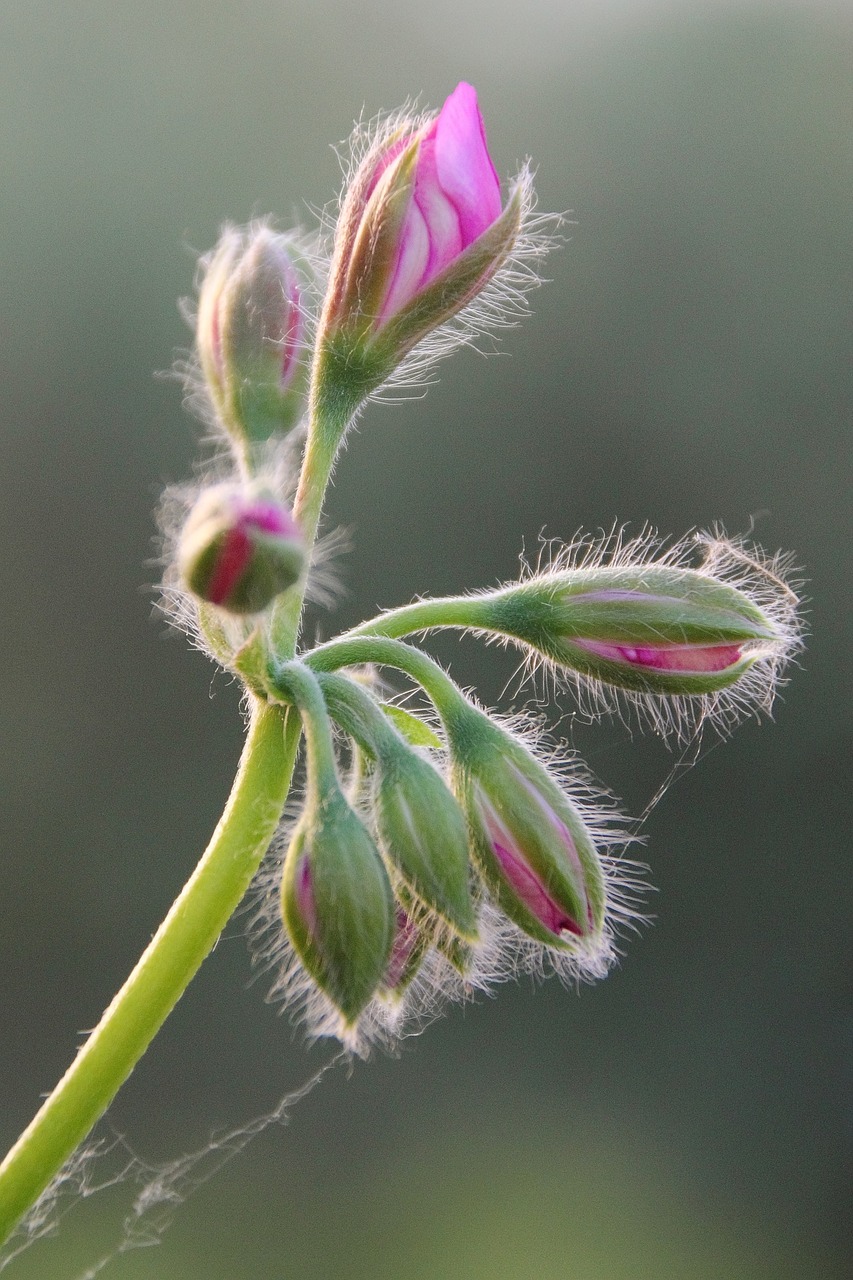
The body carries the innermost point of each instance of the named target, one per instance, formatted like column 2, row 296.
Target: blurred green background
column 688, row 363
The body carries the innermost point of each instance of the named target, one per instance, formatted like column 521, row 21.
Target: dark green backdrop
column 688, row 363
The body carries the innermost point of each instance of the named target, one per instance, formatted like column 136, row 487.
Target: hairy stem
column 171, row 959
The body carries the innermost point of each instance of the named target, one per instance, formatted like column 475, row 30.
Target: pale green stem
column 468, row 612
column 350, row 651
column 203, row 907
column 171, row 959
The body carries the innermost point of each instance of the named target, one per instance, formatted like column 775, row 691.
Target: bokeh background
column 688, row 363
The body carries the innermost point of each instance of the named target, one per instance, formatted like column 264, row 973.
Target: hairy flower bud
column 337, row 904
column 532, row 845
column 250, row 333
column 654, row 628
column 421, row 232
column 239, row 549
column 422, row 832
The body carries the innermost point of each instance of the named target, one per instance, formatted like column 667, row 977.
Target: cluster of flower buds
column 442, row 863
column 499, row 848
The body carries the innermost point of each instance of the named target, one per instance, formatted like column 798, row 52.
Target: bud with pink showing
column 337, row 904
column 421, row 232
column 251, row 332
column 532, row 844
column 239, row 549
column 705, row 642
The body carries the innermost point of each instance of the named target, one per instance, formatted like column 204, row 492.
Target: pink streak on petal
column 439, row 214
column 305, row 895
column 532, row 893
column 524, row 880
column 232, row 560
column 696, row 659
column 412, row 259
column 463, row 164
column 292, row 338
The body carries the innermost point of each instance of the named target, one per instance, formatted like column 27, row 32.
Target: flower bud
column 421, row 232
column 656, row 629
column 250, row 333
column 239, row 549
column 422, row 832
column 337, row 904
column 532, row 845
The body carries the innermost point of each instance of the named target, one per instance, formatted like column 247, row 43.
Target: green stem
column 209, row 897
column 468, row 612
column 301, row 686
column 171, row 959
column 328, row 424
column 350, row 651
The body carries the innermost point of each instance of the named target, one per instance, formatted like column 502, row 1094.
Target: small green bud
column 239, row 549
column 422, row 831
column 337, row 904
column 251, row 333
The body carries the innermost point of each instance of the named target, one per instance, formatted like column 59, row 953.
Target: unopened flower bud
column 422, row 832
column 239, row 549
column 656, row 629
column 250, row 333
column 532, row 845
column 421, row 232
column 337, row 904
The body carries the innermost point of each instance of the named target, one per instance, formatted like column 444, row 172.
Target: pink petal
column 439, row 214
column 463, row 164
column 695, row 658
column 412, row 259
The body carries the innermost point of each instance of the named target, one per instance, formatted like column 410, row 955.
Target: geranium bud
column 532, row 845
column 422, row 832
column 422, row 230
column 337, row 904
column 239, row 549
column 251, row 333
column 654, row 628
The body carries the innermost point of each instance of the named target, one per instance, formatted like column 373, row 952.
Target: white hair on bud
column 769, row 582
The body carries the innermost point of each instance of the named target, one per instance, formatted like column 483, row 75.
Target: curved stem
column 171, row 959
column 348, row 651
column 468, row 612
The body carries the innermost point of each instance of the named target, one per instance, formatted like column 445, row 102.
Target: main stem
column 166, row 967
column 203, row 907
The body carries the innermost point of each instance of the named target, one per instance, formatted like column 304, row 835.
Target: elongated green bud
column 653, row 628
column 420, row 827
column 337, row 904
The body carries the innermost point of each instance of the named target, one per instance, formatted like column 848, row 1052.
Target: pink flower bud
column 422, row 230
column 239, row 550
